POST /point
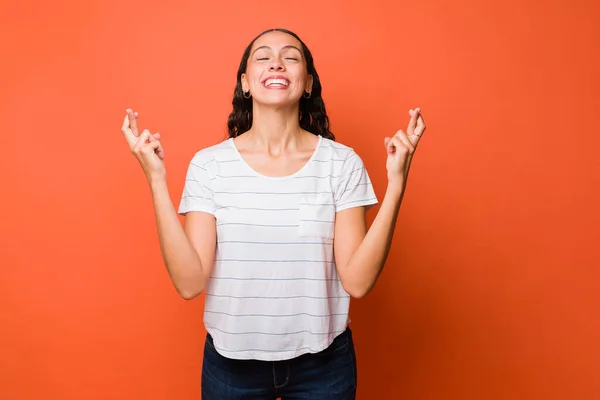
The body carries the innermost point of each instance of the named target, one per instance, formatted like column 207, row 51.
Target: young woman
column 275, row 231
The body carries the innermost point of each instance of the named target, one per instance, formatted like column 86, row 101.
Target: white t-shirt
column 274, row 292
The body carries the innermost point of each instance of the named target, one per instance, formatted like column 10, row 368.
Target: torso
column 274, row 292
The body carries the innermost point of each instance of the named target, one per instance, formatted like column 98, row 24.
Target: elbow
column 356, row 285
column 357, row 291
column 189, row 293
column 358, row 294
column 188, row 287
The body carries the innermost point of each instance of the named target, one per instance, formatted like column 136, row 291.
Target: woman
column 275, row 231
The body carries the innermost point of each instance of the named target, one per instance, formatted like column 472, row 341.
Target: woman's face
column 276, row 71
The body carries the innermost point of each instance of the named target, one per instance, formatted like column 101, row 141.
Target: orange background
column 492, row 290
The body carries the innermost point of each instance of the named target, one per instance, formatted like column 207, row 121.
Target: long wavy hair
column 313, row 117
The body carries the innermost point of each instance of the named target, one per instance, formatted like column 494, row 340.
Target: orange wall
column 493, row 287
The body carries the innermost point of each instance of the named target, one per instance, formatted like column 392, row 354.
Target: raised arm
column 360, row 254
column 189, row 252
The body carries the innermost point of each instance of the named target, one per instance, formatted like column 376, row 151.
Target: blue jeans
column 327, row 375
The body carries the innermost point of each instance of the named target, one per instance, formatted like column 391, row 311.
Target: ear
column 309, row 84
column 244, row 81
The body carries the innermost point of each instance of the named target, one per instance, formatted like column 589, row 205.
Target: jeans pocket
column 209, row 344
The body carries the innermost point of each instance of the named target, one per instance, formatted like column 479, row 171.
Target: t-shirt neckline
column 298, row 172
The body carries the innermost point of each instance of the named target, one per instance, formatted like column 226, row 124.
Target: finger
column 142, row 140
column 413, row 120
column 418, row 132
column 153, row 136
column 396, row 146
column 402, row 138
column 146, row 138
column 129, row 136
column 133, row 122
column 420, row 126
column 159, row 150
column 386, row 141
column 154, row 147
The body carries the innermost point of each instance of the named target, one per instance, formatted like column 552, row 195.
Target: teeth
column 270, row 82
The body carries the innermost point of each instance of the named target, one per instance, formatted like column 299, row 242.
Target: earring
column 305, row 95
column 246, row 95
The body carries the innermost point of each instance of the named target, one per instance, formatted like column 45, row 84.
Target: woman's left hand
column 401, row 148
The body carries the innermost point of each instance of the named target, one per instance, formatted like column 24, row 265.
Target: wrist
column 395, row 188
column 157, row 183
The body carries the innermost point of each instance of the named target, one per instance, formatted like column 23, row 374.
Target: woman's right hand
column 146, row 147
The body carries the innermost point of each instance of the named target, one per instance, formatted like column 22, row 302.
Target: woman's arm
column 360, row 254
column 188, row 252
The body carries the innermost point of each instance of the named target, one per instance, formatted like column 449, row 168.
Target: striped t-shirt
column 274, row 292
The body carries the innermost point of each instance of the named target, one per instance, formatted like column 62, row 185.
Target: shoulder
column 341, row 152
column 213, row 154
column 337, row 150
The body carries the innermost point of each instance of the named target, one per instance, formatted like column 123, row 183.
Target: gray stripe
column 277, row 298
column 231, row 278
column 276, row 316
column 272, row 334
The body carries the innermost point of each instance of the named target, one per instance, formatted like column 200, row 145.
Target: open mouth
column 276, row 83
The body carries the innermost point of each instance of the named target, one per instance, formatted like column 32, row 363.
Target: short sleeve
column 354, row 188
column 197, row 192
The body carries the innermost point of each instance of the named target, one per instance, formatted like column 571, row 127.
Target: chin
column 281, row 100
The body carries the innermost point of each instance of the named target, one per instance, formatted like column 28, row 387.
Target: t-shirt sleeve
column 198, row 193
column 354, row 188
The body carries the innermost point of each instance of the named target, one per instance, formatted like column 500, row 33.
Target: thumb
column 386, row 141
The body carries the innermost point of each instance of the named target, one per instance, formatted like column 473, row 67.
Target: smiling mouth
column 276, row 83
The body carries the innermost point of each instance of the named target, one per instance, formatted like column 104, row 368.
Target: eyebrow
column 289, row 46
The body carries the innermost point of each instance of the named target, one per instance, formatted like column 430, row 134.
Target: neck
column 275, row 129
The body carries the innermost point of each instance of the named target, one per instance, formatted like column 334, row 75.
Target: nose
column 276, row 66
